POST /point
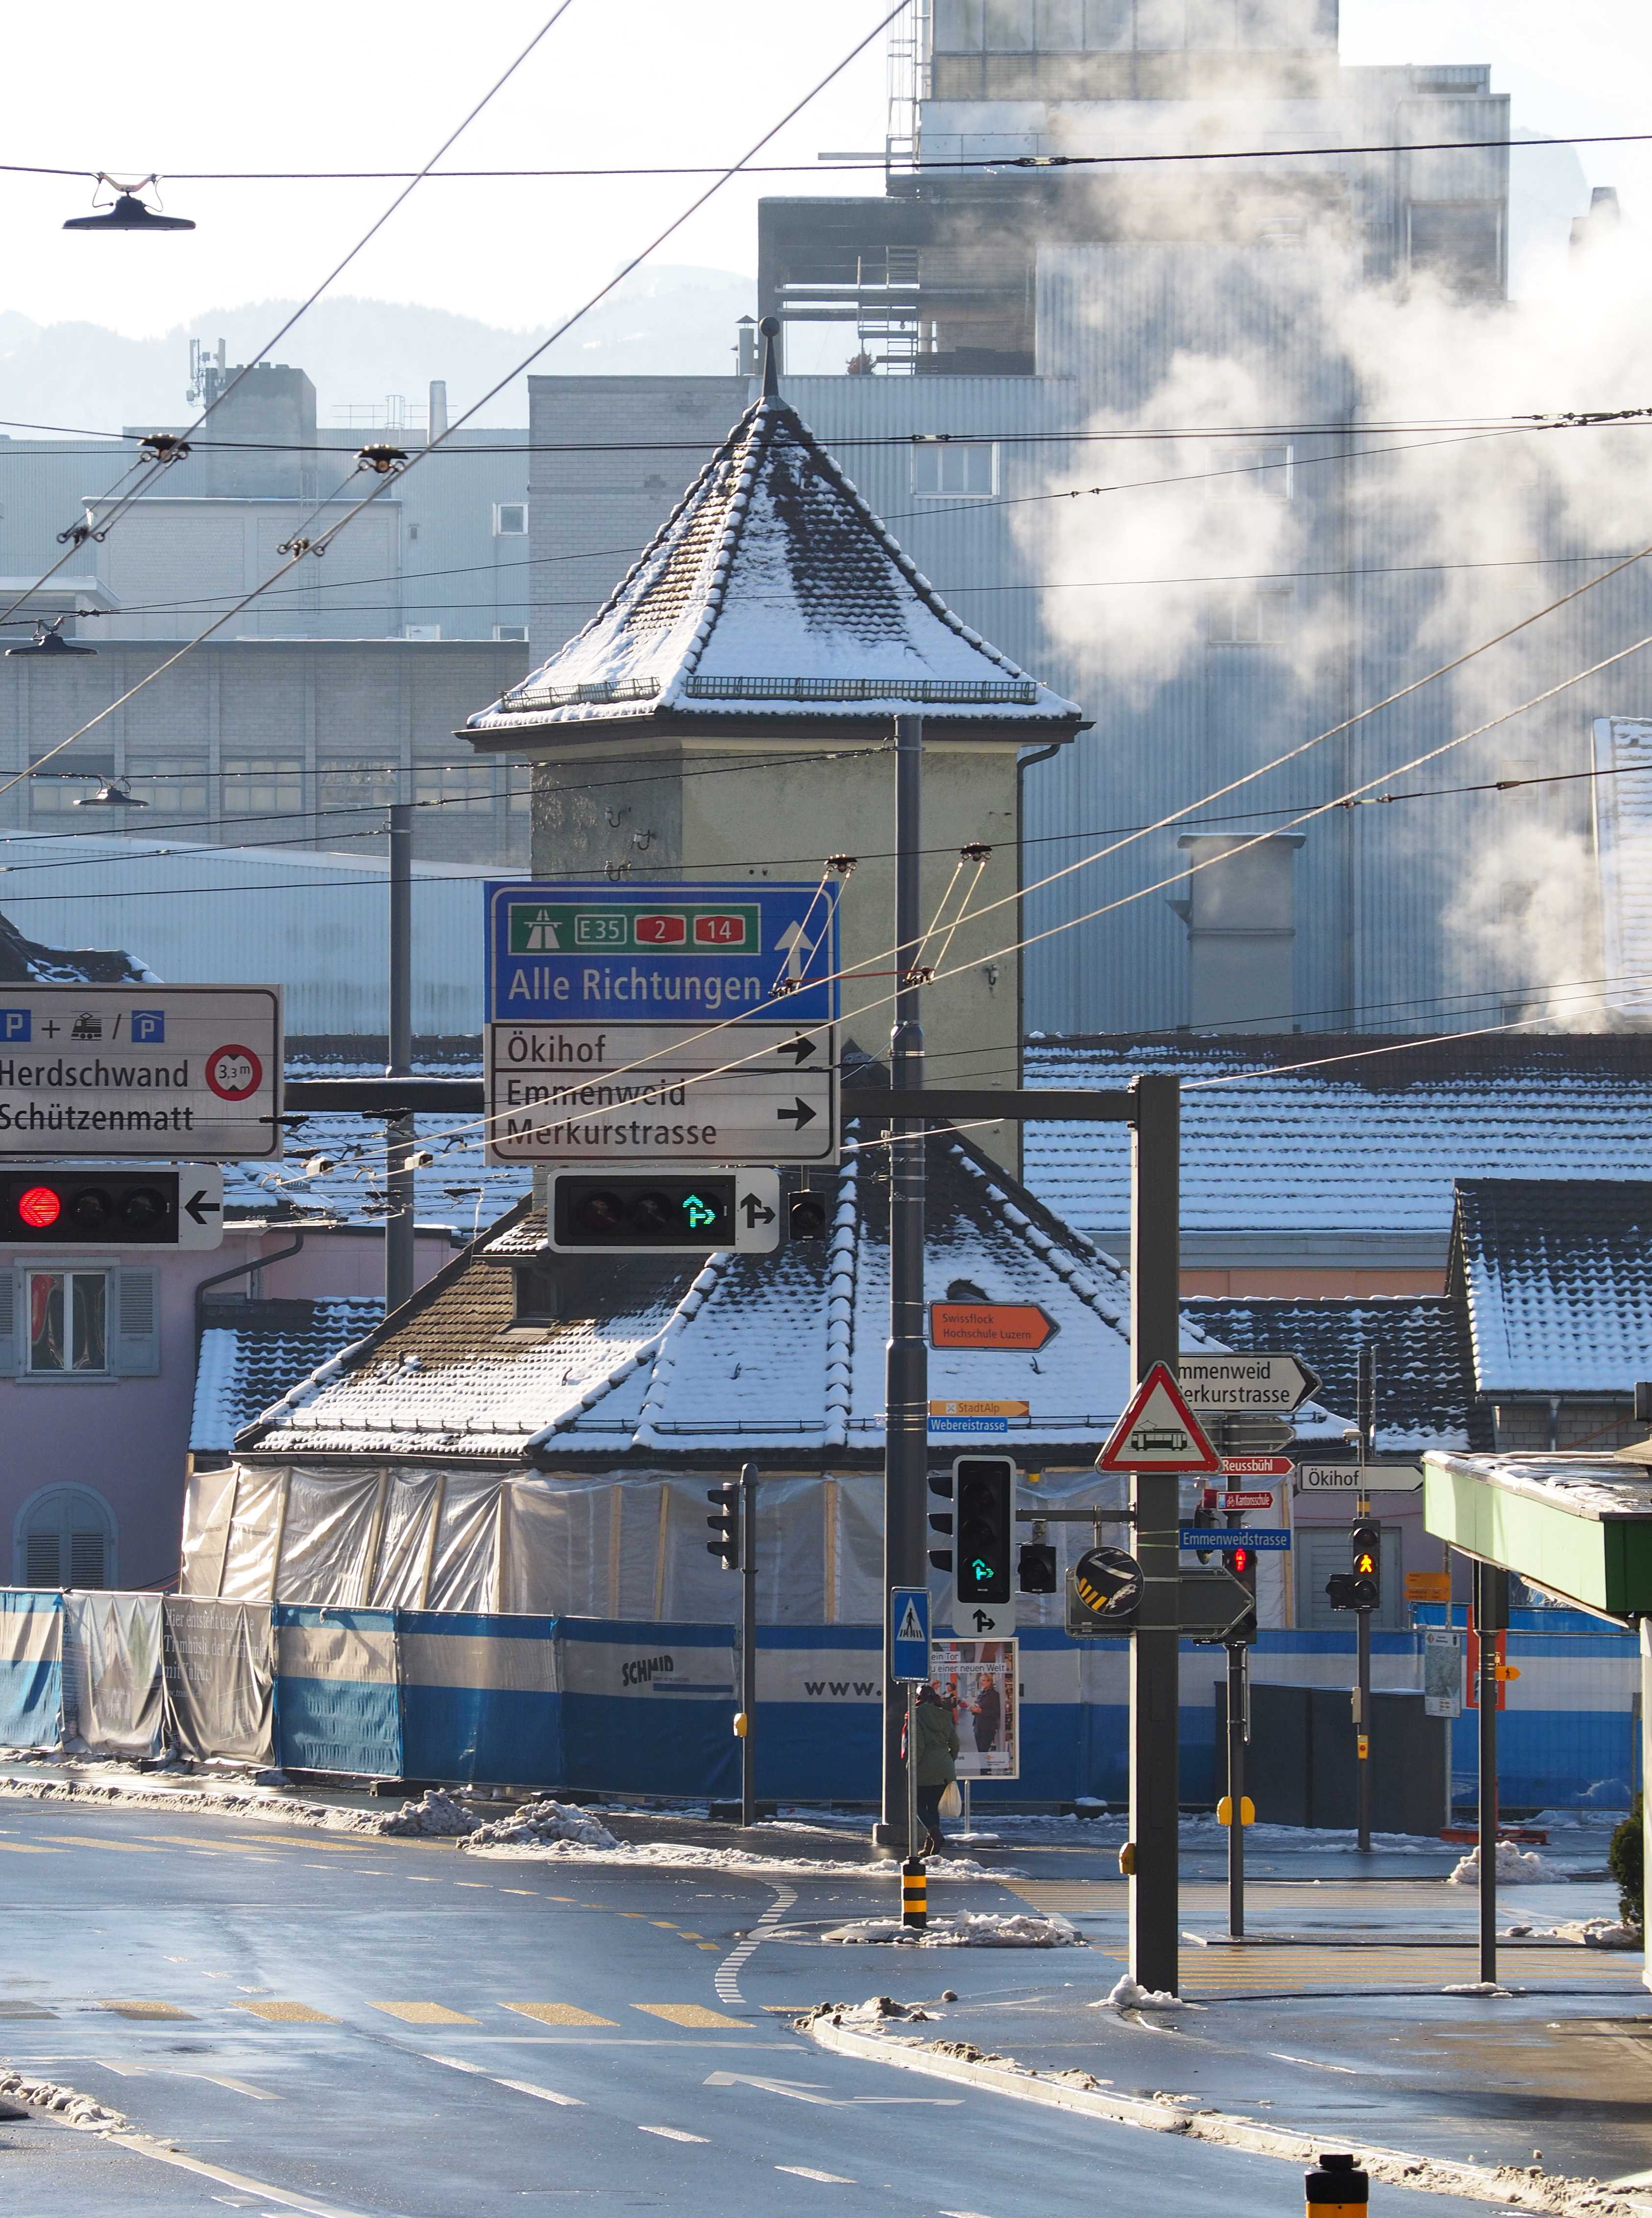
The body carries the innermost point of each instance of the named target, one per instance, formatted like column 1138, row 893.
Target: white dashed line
column 672, row 2133
column 545, row 2094
column 806, row 2172
column 727, row 1982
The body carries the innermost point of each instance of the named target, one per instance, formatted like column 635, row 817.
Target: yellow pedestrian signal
column 1364, row 1564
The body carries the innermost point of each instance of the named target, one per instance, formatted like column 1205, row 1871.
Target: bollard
column 1337, row 2187
column 915, row 1894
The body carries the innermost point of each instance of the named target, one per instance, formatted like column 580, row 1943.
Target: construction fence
column 642, row 1707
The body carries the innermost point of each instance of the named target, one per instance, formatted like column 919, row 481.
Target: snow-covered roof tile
column 773, row 591
column 1422, row 1381
column 1369, row 1140
column 1557, row 1278
column 30, row 963
column 249, row 1359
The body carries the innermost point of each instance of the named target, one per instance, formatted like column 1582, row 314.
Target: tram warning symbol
column 1158, row 1432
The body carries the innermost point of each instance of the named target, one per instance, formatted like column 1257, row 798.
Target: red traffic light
column 39, row 1206
column 1239, row 1561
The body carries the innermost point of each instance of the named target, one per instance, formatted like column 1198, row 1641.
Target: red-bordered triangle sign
column 1158, row 1432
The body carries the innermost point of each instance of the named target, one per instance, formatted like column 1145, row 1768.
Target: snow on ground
column 537, row 1825
column 687, row 1856
column 1128, row 1995
column 974, row 1930
column 1516, row 1866
column 1585, row 1932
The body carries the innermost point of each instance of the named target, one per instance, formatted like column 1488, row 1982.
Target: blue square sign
column 909, row 1634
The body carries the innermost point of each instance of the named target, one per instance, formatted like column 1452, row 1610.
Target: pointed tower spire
column 770, row 327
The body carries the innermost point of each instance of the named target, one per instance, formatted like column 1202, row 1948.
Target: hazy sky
column 182, row 88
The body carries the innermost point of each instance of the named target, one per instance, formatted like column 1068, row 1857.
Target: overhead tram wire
column 163, row 461
column 319, row 545
column 879, row 164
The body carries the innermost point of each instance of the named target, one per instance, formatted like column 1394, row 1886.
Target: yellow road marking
column 684, row 1935
column 669, row 1923
column 557, row 2014
column 516, row 1890
column 287, row 2013
column 713, row 1945
column 144, row 2010
column 26, row 1848
column 486, row 1884
column 92, row 1841
column 694, row 2014
column 425, row 2013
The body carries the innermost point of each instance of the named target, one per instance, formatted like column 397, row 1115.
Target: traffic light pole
column 749, row 1643
column 906, row 1395
column 1367, row 1413
column 1238, row 1719
column 1155, row 1501
column 1491, row 1591
column 399, row 1134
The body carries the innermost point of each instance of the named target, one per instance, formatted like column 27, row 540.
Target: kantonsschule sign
column 188, row 1074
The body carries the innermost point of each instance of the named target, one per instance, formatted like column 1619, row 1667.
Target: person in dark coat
column 935, row 1760
column 989, row 1715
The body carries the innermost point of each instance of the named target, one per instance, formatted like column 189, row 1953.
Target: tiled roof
column 251, row 1359
column 459, row 1189
column 1371, row 1143
column 28, row 962
column 1557, row 1278
column 1422, row 1384
column 773, row 591
column 776, row 1354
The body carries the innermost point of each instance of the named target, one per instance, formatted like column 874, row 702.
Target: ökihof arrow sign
column 1158, row 1432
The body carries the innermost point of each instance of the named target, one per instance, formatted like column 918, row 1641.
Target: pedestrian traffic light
column 726, row 1523
column 90, row 1209
column 1339, row 1590
column 941, row 1521
column 985, row 1494
column 1037, row 1567
column 1366, row 1566
column 1241, row 1562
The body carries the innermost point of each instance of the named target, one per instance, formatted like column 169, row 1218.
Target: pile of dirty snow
column 439, row 1814
column 975, row 1928
column 542, row 1824
column 1583, row 1932
column 876, row 2010
column 1516, row 1866
column 1128, row 1995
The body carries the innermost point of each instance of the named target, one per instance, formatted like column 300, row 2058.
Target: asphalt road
column 295, row 2022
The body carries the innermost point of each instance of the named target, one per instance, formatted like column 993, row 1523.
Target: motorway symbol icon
column 1158, row 1432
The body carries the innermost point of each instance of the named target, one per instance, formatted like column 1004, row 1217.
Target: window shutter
column 10, row 1320
column 134, row 1328
column 85, row 1559
column 42, row 1560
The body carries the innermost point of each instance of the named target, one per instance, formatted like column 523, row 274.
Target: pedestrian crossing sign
column 909, row 1635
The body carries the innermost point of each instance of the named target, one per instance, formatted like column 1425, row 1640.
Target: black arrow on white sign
column 802, row 1114
column 199, row 1208
column 755, row 1211
column 799, row 1049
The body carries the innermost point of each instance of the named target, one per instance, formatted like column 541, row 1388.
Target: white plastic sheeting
column 112, row 1673
column 219, row 1668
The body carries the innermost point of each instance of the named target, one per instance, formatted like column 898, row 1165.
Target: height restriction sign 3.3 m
column 641, row 1023
column 184, row 1074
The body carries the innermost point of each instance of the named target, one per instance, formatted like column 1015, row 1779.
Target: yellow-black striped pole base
column 915, row 1894
column 1337, row 2187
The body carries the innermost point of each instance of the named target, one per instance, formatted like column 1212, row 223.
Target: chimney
column 1604, row 217
column 438, row 411
column 745, row 347
column 1241, row 932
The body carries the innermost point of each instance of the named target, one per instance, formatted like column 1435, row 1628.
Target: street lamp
column 129, row 213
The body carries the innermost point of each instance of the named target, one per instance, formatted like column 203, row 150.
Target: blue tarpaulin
column 31, row 1667
column 337, row 1704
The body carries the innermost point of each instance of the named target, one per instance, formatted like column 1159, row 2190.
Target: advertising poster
column 978, row 1679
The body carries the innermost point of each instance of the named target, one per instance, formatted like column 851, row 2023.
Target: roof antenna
column 770, row 327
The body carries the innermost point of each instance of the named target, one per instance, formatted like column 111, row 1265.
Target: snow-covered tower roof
column 772, row 594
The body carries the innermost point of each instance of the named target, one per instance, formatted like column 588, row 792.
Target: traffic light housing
column 1241, row 1562
column 1365, row 1563
column 1339, row 1590
column 725, row 1522
column 90, row 1209
column 1037, row 1568
column 1204, row 1515
column 985, row 1490
column 646, row 1212
column 941, row 1522
column 807, row 1216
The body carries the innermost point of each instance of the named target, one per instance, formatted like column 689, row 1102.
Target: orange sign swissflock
column 988, row 1324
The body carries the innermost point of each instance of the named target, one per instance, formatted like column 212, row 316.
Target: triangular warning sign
column 909, row 1628
column 1158, row 1432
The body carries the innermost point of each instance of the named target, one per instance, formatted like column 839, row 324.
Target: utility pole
column 906, row 1391
column 1491, row 1596
column 749, row 1643
column 1155, row 1502
column 1366, row 1414
column 399, row 1136
column 1238, row 1732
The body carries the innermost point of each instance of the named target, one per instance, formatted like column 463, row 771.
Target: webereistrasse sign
column 183, row 1074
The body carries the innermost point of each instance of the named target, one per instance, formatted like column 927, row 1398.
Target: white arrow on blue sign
column 909, row 1634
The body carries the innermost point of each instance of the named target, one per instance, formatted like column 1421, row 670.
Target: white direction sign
column 1265, row 1386
column 597, row 1094
column 190, row 1073
column 1359, row 1478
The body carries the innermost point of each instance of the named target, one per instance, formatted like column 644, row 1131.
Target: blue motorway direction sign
column 1218, row 1539
column 909, row 1634
column 693, row 953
